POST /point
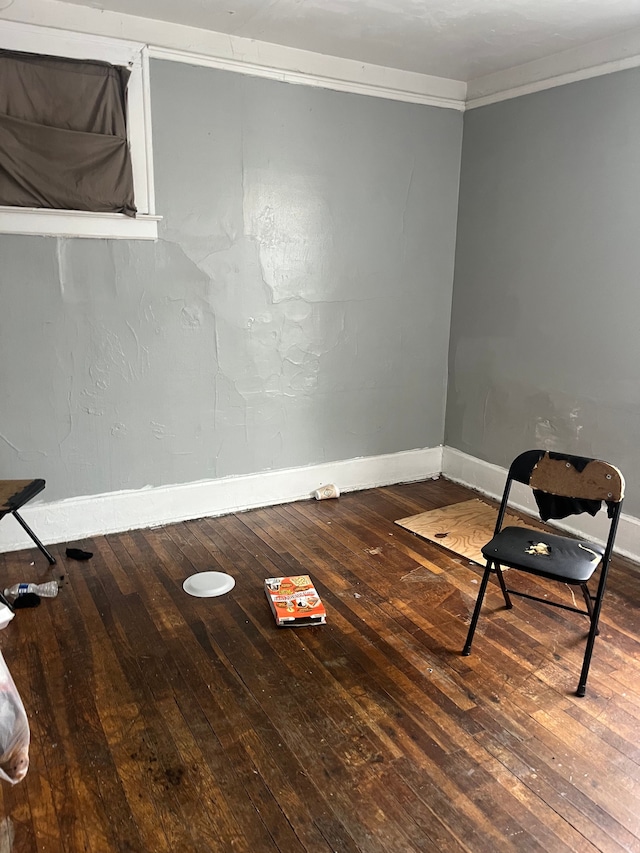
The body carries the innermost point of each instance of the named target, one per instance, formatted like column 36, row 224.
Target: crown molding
column 595, row 59
column 195, row 46
column 332, row 73
column 190, row 45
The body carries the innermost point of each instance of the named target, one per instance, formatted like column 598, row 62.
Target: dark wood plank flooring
column 162, row 722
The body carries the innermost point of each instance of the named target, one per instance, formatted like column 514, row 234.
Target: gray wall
column 545, row 334
column 295, row 310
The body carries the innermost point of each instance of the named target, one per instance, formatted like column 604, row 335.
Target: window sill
column 77, row 223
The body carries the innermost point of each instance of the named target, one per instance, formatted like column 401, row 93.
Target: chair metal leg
column 587, row 598
column 593, row 632
column 588, row 601
column 582, row 684
column 28, row 530
column 503, row 586
column 476, row 613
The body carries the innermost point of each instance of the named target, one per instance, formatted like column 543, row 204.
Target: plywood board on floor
column 462, row 528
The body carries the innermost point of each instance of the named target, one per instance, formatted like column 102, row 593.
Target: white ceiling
column 458, row 39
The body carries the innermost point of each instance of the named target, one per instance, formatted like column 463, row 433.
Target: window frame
column 79, row 223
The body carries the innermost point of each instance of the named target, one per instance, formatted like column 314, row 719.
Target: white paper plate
column 207, row 584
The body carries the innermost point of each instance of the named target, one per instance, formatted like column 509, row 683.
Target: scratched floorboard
column 162, row 722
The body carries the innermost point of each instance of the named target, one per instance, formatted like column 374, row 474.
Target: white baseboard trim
column 489, row 479
column 78, row 518
column 94, row 515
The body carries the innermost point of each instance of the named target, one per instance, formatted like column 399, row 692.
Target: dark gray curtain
column 63, row 135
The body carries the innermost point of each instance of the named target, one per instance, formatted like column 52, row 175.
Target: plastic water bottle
column 44, row 590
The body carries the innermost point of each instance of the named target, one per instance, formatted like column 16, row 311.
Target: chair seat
column 569, row 560
column 16, row 493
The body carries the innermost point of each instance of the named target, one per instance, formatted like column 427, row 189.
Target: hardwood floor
column 162, row 722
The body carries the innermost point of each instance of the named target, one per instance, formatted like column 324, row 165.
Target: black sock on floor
column 77, row 554
column 29, row 599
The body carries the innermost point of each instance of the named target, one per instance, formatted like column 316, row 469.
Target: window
column 92, row 223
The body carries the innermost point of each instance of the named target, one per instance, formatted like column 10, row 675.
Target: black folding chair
column 562, row 486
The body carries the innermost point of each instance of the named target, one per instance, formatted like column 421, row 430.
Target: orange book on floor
column 294, row 601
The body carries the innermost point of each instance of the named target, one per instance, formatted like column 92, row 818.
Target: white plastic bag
column 14, row 730
column 6, row 615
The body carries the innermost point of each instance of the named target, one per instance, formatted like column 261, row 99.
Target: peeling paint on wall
column 294, row 310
